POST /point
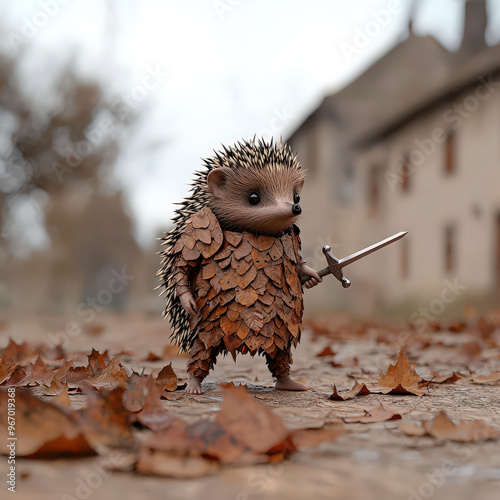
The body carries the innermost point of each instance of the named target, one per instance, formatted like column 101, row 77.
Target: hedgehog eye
column 254, row 198
column 296, row 198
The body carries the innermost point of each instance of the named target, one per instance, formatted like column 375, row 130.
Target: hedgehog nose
column 296, row 210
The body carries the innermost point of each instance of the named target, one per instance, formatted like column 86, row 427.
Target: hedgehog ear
column 299, row 186
column 217, row 181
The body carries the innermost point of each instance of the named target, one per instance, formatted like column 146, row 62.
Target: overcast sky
column 222, row 70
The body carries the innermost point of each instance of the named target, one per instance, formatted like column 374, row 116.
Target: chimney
column 474, row 26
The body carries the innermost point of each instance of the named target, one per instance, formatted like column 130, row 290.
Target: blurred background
column 106, row 108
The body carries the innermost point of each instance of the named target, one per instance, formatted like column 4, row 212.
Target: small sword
column 334, row 265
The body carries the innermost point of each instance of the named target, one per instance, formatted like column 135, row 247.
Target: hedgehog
column 231, row 267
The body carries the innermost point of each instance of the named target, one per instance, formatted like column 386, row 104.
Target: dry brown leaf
column 112, row 376
column 94, row 330
column 62, row 399
column 152, row 357
column 106, row 421
column 493, row 377
column 400, row 378
column 5, row 370
column 18, row 353
column 167, row 379
column 136, row 392
column 40, row 372
column 17, row 378
column 44, row 429
column 357, row 390
column 313, row 437
column 327, row 351
column 444, row 429
column 379, row 414
column 445, row 379
column 411, row 429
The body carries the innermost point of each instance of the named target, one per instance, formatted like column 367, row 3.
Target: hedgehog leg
column 201, row 361
column 279, row 366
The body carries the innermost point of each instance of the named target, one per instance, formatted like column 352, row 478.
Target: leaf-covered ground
column 391, row 413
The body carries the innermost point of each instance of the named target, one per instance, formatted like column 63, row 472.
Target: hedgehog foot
column 194, row 385
column 287, row 384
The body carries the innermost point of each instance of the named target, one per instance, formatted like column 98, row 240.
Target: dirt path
column 370, row 461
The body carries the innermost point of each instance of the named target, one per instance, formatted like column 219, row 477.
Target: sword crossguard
column 333, row 267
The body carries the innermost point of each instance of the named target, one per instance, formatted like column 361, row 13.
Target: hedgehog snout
column 296, row 210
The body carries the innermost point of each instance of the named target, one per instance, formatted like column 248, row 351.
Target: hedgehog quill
column 231, row 267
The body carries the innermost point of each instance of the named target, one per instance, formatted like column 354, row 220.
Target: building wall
column 337, row 210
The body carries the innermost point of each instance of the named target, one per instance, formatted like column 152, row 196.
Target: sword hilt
column 333, row 268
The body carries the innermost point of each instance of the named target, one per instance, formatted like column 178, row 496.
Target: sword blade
column 372, row 248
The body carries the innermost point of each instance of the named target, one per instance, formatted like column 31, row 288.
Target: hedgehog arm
column 183, row 274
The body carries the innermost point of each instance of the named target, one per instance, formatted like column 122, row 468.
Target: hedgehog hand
column 314, row 277
column 188, row 303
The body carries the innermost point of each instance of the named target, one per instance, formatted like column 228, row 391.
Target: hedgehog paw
column 194, row 385
column 287, row 384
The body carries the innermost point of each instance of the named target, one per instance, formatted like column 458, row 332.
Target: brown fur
column 276, row 185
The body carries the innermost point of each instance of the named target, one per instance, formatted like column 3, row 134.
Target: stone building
column 411, row 144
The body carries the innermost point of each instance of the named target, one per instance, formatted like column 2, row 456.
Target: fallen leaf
column 5, row 371
column 152, row 414
column 62, row 399
column 443, row 428
column 326, row 352
column 106, row 421
column 167, row 379
column 400, row 378
column 445, row 379
column 152, row 357
column 40, row 372
column 136, row 393
column 357, row 390
column 487, row 379
column 244, row 432
column 379, row 414
column 44, row 429
column 94, row 330
column 313, row 437
column 17, row 353
column 112, row 376
column 411, row 429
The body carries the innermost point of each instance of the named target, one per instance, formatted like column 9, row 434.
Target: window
column 405, row 176
column 449, row 154
column 373, row 192
column 449, row 249
column 404, row 263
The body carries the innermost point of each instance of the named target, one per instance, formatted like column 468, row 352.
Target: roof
column 415, row 75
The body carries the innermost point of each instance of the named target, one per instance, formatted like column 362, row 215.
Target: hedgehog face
column 264, row 200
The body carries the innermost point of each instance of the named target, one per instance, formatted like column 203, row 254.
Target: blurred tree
column 65, row 150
